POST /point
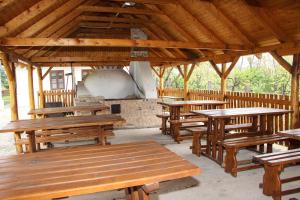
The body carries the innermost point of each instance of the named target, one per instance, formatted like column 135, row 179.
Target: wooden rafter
column 232, row 24
column 115, row 43
column 46, row 73
column 262, row 16
column 287, row 66
column 52, row 17
column 25, row 17
column 214, row 65
column 232, row 65
column 162, row 2
column 103, row 9
column 58, row 59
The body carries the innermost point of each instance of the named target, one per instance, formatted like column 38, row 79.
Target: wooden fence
column 64, row 96
column 242, row 100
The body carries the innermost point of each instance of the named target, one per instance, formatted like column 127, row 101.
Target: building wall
column 22, row 86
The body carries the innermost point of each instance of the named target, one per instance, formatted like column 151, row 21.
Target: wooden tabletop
column 89, row 169
column 55, row 110
column 234, row 112
column 60, row 123
column 172, row 97
column 193, row 103
column 293, row 133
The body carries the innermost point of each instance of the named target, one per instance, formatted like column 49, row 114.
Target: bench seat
column 199, row 132
column 183, row 124
column 274, row 164
column 68, row 135
column 232, row 146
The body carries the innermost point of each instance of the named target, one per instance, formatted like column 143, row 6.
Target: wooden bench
column 273, row 164
column 183, row 124
column 164, row 119
column 232, row 146
column 199, row 132
column 67, row 135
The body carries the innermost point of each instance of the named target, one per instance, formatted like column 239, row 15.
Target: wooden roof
column 97, row 32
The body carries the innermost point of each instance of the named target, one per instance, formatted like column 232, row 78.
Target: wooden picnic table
column 294, row 134
column 136, row 167
column 29, row 126
column 174, row 107
column 72, row 109
column 219, row 118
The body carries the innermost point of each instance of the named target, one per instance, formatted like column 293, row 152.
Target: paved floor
column 212, row 184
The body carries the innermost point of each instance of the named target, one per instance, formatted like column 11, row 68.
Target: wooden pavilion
column 41, row 33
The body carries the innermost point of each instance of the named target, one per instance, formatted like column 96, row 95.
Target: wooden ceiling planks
column 256, row 26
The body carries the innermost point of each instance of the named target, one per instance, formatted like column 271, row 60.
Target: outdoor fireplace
column 132, row 94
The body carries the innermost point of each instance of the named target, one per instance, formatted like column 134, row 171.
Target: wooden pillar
column 161, row 81
column 295, row 91
column 41, row 91
column 223, row 81
column 30, row 89
column 185, row 82
column 11, row 76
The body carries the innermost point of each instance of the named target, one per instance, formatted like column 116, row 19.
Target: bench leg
column 271, row 181
column 141, row 192
column 176, row 133
column 230, row 161
column 196, row 144
column 164, row 126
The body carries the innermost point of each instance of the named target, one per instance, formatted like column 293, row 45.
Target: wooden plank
column 115, row 43
column 14, row 24
column 60, row 123
column 95, row 169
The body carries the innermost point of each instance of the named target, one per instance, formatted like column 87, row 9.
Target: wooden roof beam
column 158, row 2
column 104, row 9
column 12, row 26
column 262, row 16
column 232, row 24
column 85, row 42
column 287, row 66
column 58, row 59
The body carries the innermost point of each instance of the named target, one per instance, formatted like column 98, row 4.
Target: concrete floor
column 212, row 184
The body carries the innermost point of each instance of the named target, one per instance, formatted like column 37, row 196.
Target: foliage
column 3, row 78
column 251, row 74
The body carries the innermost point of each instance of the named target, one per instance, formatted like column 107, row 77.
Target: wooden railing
column 242, row 100
column 66, row 97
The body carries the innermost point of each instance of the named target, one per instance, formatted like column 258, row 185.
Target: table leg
column 208, row 137
column 174, row 115
column 262, row 130
column 101, row 137
column 214, row 138
column 269, row 131
column 31, row 137
column 220, row 139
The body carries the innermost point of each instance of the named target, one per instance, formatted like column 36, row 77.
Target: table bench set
column 224, row 135
column 55, row 173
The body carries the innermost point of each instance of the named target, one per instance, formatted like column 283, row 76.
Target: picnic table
column 174, row 107
column 136, row 167
column 72, row 109
column 294, row 134
column 29, row 126
column 219, row 118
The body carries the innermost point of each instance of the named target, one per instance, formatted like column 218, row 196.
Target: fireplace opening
column 115, row 108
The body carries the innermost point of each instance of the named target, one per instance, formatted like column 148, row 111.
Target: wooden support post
column 30, row 89
column 41, row 91
column 11, row 76
column 295, row 91
column 223, row 82
column 185, row 82
column 161, row 81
